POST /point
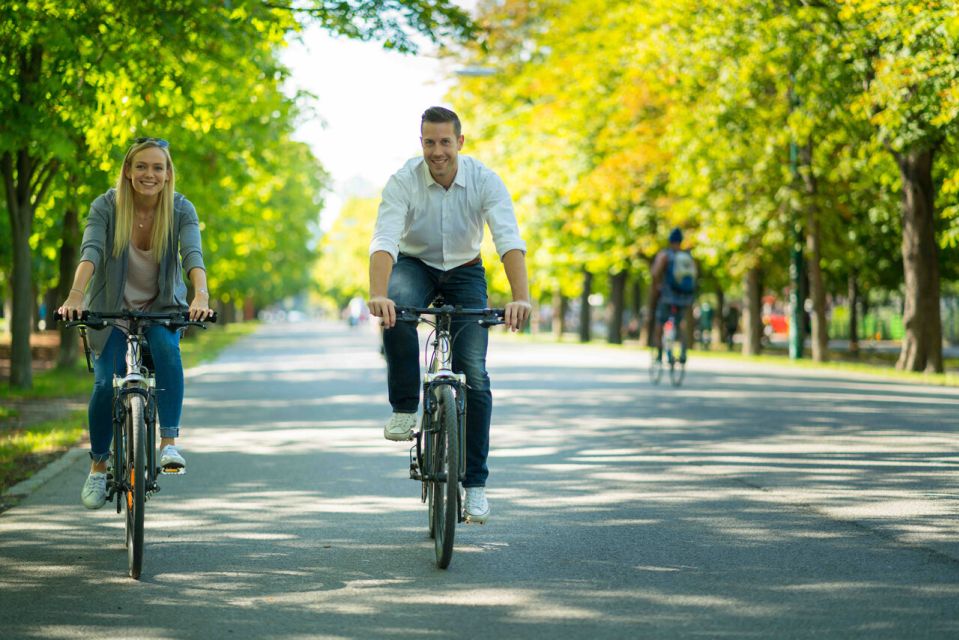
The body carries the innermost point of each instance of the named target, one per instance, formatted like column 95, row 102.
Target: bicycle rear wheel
column 445, row 485
column 655, row 367
column 677, row 373
column 136, row 477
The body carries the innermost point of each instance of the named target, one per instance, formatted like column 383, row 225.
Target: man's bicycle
column 672, row 342
column 438, row 459
column 132, row 470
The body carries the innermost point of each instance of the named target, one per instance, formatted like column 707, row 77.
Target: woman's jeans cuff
column 169, row 432
column 100, row 457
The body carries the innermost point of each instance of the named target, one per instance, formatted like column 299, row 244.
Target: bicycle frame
column 439, row 372
column 133, row 477
column 138, row 380
column 438, row 459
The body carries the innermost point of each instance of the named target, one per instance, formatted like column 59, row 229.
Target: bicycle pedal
column 173, row 471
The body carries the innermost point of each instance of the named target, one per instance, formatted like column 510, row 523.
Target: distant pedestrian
column 731, row 322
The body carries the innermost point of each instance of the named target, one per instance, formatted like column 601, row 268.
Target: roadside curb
column 25, row 487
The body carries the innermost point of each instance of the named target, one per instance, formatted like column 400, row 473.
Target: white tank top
column 141, row 287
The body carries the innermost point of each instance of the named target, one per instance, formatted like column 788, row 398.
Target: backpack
column 681, row 272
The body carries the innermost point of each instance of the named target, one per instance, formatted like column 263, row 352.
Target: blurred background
column 806, row 148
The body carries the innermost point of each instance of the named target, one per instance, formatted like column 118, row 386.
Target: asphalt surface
column 753, row 502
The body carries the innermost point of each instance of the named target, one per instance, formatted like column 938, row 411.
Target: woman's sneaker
column 477, row 506
column 400, row 427
column 94, row 493
column 170, row 458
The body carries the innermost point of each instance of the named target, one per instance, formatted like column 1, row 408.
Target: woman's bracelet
column 80, row 291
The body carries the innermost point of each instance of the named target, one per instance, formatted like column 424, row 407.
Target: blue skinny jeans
column 165, row 349
column 415, row 284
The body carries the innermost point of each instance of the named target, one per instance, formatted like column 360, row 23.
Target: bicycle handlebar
column 486, row 317
column 100, row 320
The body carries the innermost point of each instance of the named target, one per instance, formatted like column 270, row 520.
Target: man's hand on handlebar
column 383, row 307
column 517, row 314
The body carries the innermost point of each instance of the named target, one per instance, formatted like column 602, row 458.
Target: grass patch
column 201, row 345
column 872, row 363
column 25, row 450
column 198, row 347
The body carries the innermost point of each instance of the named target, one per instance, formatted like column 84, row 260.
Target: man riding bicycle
column 427, row 242
column 674, row 278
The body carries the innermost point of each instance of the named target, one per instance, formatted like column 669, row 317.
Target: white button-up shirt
column 444, row 228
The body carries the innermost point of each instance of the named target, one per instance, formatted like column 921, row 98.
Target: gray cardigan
column 105, row 292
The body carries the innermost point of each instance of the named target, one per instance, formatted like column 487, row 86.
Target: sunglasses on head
column 160, row 142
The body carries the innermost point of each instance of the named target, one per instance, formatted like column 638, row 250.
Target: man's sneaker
column 94, row 493
column 477, row 507
column 170, row 457
column 400, row 426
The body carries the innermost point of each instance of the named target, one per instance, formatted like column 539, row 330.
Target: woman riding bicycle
column 130, row 249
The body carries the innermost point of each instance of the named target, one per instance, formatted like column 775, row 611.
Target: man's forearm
column 514, row 262
column 381, row 265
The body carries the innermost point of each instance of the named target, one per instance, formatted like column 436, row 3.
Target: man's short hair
column 439, row 115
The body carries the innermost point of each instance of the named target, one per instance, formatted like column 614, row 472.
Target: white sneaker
column 94, row 493
column 170, row 457
column 477, row 506
column 400, row 427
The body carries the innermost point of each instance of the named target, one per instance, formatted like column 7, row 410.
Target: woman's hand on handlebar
column 383, row 307
column 200, row 307
column 72, row 307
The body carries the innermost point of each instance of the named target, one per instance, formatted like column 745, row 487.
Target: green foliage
column 342, row 271
column 614, row 121
column 80, row 80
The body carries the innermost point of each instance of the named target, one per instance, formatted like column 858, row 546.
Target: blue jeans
column 415, row 284
column 165, row 349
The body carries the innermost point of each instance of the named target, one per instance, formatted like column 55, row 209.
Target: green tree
column 906, row 52
column 79, row 79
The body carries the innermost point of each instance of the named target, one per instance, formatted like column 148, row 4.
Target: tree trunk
column 718, row 322
column 922, row 342
column 25, row 181
column 617, row 294
column 21, row 360
column 752, row 311
column 853, row 315
column 560, row 307
column 817, row 290
column 584, row 312
column 69, row 253
column 636, row 308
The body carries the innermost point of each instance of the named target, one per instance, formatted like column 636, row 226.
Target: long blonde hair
column 163, row 217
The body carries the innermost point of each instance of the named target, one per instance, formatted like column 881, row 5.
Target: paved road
column 754, row 502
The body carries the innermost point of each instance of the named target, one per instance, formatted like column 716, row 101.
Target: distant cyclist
column 674, row 278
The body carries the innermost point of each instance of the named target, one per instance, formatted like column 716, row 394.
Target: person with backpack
column 674, row 278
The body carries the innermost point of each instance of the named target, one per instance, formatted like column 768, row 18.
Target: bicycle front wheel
column 136, row 478
column 446, row 471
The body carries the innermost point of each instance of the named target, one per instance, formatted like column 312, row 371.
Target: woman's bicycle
column 132, row 470
column 672, row 341
column 438, row 459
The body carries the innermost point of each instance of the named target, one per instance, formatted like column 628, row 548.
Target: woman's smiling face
column 148, row 171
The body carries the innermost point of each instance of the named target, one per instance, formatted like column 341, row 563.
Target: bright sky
column 368, row 108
